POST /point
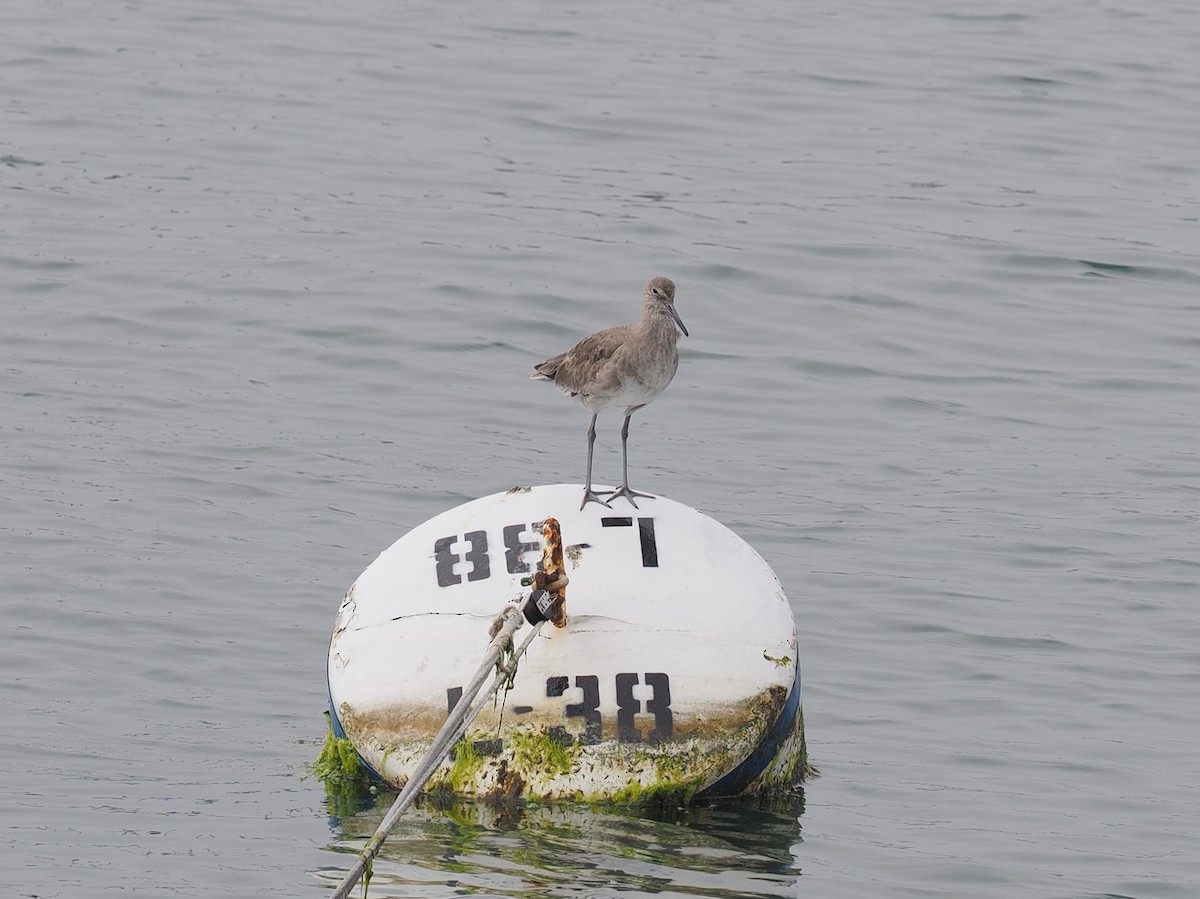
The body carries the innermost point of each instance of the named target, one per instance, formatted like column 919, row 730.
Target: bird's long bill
column 678, row 320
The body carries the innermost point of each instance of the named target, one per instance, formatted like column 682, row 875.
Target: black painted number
column 514, row 547
column 658, row 705
column 588, row 710
column 645, row 536
column 445, row 557
column 477, row 555
column 628, row 708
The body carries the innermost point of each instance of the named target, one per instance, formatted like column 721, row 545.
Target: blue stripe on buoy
column 733, row 783
column 335, row 723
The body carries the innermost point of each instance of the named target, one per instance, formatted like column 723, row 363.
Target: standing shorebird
column 627, row 366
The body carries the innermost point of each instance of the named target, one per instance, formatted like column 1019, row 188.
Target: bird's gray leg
column 588, row 494
column 625, row 490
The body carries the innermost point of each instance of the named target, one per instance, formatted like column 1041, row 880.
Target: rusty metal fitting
column 553, row 574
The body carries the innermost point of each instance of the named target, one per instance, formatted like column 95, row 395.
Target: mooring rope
column 534, row 609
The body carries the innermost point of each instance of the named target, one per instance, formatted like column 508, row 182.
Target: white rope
column 452, row 731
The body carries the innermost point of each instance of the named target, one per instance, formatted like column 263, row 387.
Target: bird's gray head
column 659, row 294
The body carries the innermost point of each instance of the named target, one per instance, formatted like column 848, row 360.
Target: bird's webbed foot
column 626, row 491
column 591, row 496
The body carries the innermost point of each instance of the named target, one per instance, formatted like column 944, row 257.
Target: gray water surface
column 272, row 278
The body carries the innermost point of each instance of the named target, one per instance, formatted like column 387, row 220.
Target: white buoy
column 676, row 673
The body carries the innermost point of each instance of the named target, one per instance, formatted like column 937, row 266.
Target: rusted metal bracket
column 552, row 576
